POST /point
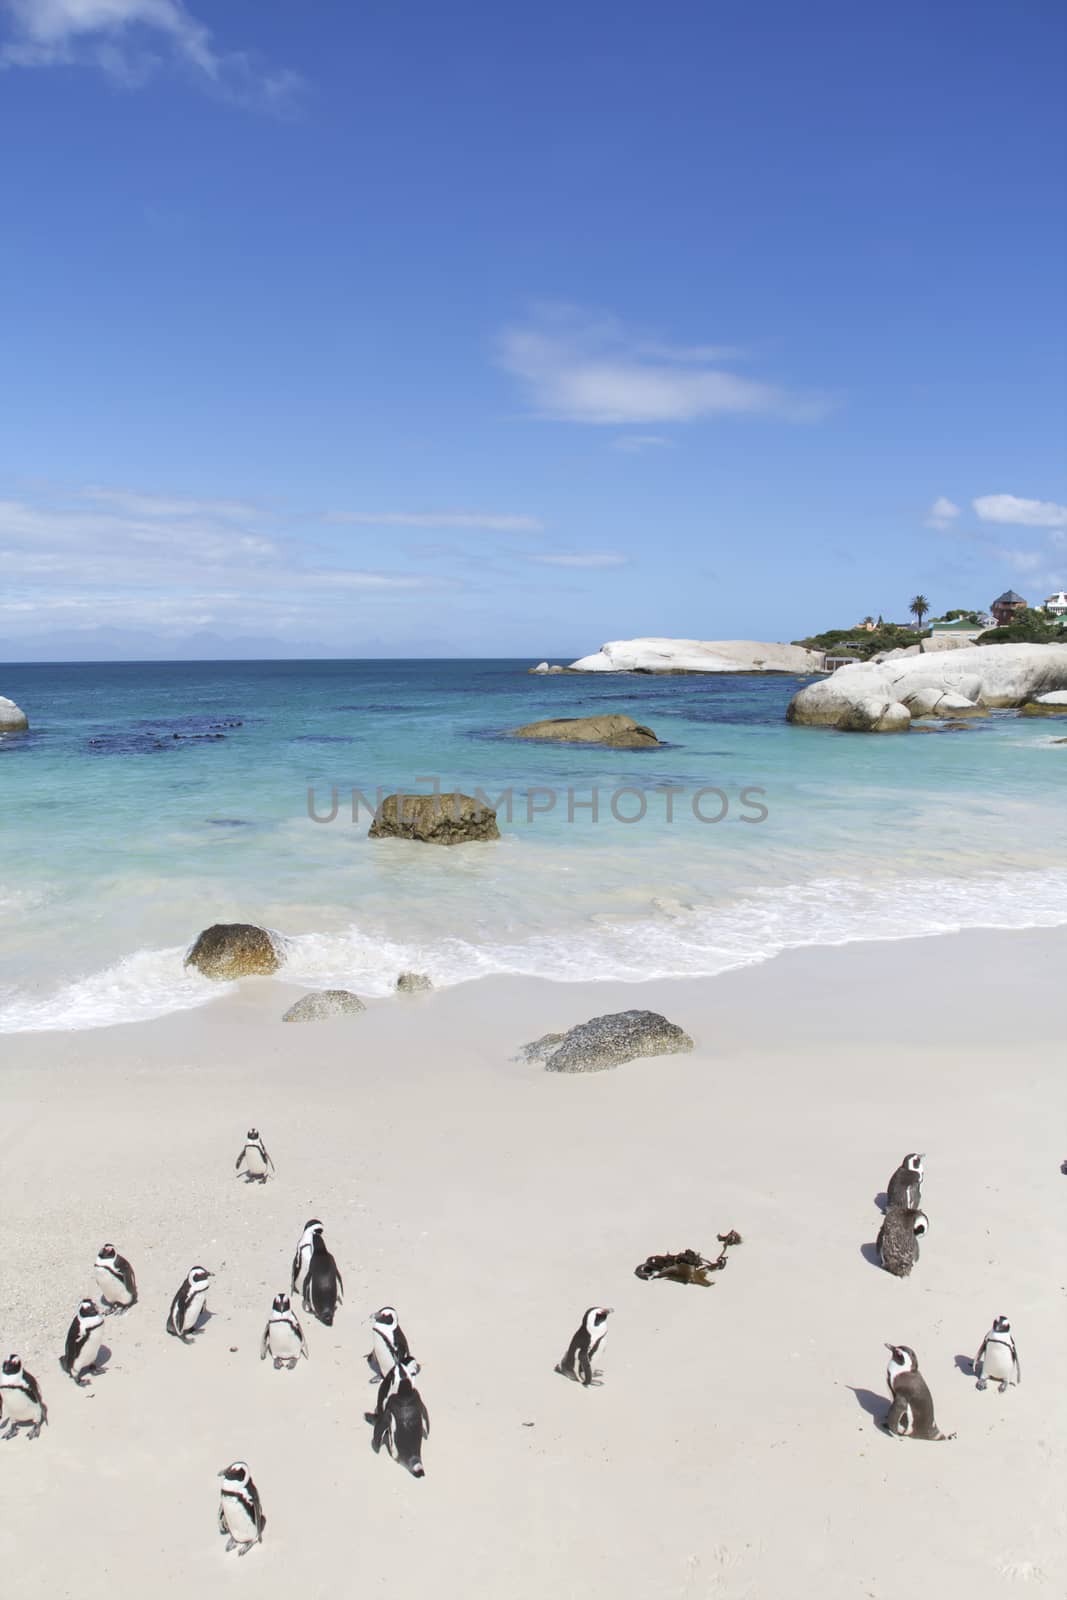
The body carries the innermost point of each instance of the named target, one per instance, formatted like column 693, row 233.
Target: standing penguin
column 21, row 1405
column 188, row 1304
column 303, row 1255
column 905, row 1187
column 241, row 1516
column 912, row 1411
column 390, row 1346
column 283, row 1337
column 254, row 1158
column 998, row 1358
column 401, row 1420
column 584, row 1346
column 116, row 1281
column 83, row 1343
column 898, row 1240
column 323, row 1289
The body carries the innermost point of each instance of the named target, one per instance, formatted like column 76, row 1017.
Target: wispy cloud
column 130, row 39
column 636, row 444
column 942, row 513
column 1010, row 508
column 474, row 521
column 1021, row 561
column 577, row 368
column 582, row 558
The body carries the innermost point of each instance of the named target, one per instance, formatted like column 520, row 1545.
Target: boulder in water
column 434, row 819
column 412, row 983
column 1053, row 704
column 12, row 718
column 608, row 1041
column 233, row 950
column 614, row 730
column 321, row 1004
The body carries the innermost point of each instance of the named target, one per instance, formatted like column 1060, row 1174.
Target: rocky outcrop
column 12, row 718
column 412, row 983
column 935, row 645
column 229, row 950
column 953, row 684
column 543, row 668
column 1047, row 705
column 608, row 1041
column 434, row 819
column 699, row 655
column 874, row 716
column 322, row 1004
column 616, row 731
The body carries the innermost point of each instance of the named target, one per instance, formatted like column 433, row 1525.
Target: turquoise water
column 120, row 841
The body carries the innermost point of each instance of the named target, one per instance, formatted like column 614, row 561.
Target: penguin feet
column 231, row 1543
column 981, row 1384
column 278, row 1363
column 1003, row 1388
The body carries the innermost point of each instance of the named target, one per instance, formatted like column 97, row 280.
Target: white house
column 1056, row 604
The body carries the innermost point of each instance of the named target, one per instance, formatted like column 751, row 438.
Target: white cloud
column 1019, row 560
column 476, row 521
column 148, row 505
column 575, row 368
column 590, row 558
column 636, row 443
column 942, row 513
column 1010, row 508
column 122, row 38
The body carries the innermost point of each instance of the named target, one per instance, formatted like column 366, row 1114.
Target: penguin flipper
column 896, row 1418
column 222, row 1520
column 585, row 1368
column 425, row 1418
column 264, row 1344
column 240, row 1158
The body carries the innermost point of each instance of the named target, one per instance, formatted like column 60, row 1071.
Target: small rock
column 609, row 1041
column 322, row 1004
column 434, row 819
column 412, row 982
column 229, row 950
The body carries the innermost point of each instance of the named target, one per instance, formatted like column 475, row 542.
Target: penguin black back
column 402, row 1421
column 323, row 1288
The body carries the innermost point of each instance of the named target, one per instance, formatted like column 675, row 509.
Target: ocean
column 149, row 800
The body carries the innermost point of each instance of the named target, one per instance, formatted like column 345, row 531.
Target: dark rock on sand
column 412, row 983
column 614, row 730
column 233, row 950
column 322, row 1004
column 608, row 1041
column 434, row 819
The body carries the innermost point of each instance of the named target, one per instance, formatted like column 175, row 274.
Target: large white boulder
column 12, row 719
column 956, row 683
column 699, row 655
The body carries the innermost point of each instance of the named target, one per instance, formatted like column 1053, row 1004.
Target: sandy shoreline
column 732, row 1451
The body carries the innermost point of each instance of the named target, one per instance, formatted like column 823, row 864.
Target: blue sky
column 504, row 329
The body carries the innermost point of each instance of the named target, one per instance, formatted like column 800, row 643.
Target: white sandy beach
column 732, row 1451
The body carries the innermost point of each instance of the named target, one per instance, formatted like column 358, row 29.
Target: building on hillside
column 1007, row 607
column 1056, row 604
column 960, row 628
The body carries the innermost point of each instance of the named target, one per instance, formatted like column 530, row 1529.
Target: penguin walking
column 241, row 1516
column 83, row 1343
column 998, row 1358
column 283, row 1337
column 401, row 1421
column 905, row 1188
column 323, row 1288
column 898, row 1240
column 584, row 1346
column 21, row 1405
column 188, row 1304
column 912, row 1411
column 390, row 1346
column 254, row 1158
column 303, row 1255
column 115, row 1280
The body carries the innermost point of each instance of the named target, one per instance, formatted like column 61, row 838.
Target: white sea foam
column 678, row 940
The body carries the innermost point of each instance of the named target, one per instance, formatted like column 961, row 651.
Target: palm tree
column 919, row 607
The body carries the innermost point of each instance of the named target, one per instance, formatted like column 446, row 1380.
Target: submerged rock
column 617, row 731
column 412, row 983
column 322, row 1004
column 608, row 1041
column 1047, row 705
column 434, row 819
column 12, row 718
column 233, row 950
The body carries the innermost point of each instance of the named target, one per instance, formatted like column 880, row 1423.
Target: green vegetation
column 959, row 616
column 919, row 607
column 857, row 642
column 1029, row 627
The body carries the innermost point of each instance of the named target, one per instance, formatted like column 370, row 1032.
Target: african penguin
column 254, row 1158
column 905, row 1187
column 998, row 1358
column 21, row 1405
column 115, row 1279
column 401, row 1421
column 323, row 1289
column 241, row 1516
column 188, row 1304
column 303, row 1255
column 584, row 1346
column 898, row 1240
column 83, row 1343
column 912, row 1411
column 283, row 1337
column 390, row 1346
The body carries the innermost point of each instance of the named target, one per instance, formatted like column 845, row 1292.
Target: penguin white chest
column 254, row 1162
column 240, row 1525
column 383, row 1354
column 17, row 1405
column 997, row 1362
column 89, row 1351
column 283, row 1340
column 194, row 1306
column 112, row 1288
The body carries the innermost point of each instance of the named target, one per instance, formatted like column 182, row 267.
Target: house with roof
column 1056, row 604
column 961, row 628
column 1007, row 607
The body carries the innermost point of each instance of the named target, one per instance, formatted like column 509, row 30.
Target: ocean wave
column 678, row 940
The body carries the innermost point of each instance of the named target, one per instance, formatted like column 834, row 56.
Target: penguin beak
column 890, row 1348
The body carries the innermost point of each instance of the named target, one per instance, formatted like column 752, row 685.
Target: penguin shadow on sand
column 881, row 1200
column 965, row 1364
column 869, row 1252
column 875, row 1405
